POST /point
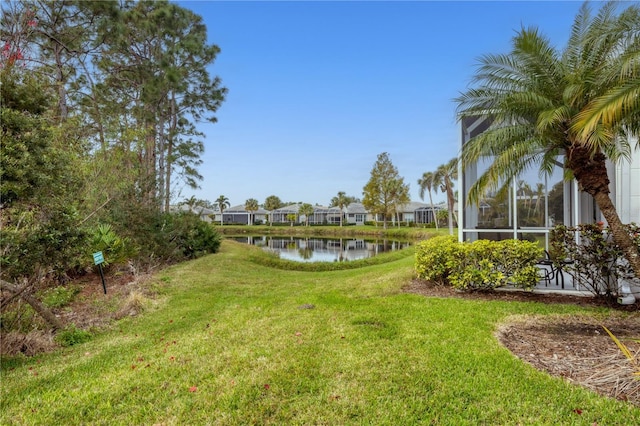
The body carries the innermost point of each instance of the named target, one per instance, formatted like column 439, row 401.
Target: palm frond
column 609, row 110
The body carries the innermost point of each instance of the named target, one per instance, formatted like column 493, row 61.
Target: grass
column 231, row 344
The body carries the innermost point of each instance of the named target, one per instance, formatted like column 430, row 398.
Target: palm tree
column 341, row 201
column 581, row 103
column 251, row 205
column 525, row 194
column 426, row 183
column 306, row 209
column 190, row 202
column 193, row 202
column 444, row 177
column 222, row 202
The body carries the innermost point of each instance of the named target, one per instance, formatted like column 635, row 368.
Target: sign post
column 98, row 259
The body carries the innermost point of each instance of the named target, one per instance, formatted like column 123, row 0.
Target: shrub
column 194, row 237
column 481, row 264
column 434, row 258
column 596, row 261
column 517, row 261
column 164, row 237
column 474, row 266
column 115, row 249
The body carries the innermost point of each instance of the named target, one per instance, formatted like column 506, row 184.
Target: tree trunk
column 591, row 173
column 169, row 147
column 450, row 204
column 42, row 310
column 149, row 165
column 433, row 210
column 620, row 234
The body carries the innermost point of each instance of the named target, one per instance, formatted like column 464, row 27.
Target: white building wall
column 627, row 188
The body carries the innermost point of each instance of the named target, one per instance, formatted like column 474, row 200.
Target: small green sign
column 98, row 258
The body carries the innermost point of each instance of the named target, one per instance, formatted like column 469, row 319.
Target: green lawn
column 229, row 344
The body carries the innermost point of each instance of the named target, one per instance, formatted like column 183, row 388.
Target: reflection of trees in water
column 305, row 253
column 342, row 249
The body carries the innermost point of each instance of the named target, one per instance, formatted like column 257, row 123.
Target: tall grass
column 238, row 343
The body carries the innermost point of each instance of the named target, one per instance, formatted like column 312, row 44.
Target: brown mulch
column 575, row 348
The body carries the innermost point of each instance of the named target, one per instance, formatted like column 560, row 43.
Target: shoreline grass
column 403, row 233
column 235, row 343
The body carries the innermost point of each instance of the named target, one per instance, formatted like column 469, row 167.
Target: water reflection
column 313, row 249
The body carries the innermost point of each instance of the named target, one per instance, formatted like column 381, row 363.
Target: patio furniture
column 553, row 269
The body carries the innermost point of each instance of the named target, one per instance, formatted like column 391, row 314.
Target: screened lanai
column 527, row 209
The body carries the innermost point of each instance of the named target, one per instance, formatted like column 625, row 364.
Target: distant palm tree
column 306, row 209
column 444, row 177
column 426, row 184
column 341, row 201
column 192, row 202
column 251, row 205
column 580, row 104
column 222, row 202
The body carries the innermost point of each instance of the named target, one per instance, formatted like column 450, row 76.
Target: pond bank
column 334, row 231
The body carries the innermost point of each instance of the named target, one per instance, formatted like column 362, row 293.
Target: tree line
column 100, row 103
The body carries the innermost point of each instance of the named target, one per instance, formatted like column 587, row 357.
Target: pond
column 315, row 249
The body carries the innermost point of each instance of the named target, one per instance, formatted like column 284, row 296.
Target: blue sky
column 318, row 89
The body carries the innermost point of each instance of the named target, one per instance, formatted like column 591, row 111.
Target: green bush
column 481, row 264
column 517, row 259
column 163, row 237
column 474, row 269
column 192, row 236
column 434, row 258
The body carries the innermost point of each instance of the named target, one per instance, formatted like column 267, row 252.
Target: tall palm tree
column 444, row 177
column 222, row 202
column 581, row 103
column 426, row 184
column 251, row 205
column 341, row 201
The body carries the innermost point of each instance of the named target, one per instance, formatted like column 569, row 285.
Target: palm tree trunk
column 591, row 173
column 433, row 210
column 620, row 234
column 450, row 203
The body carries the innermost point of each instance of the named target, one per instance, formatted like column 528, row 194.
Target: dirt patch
column 575, row 348
column 91, row 309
